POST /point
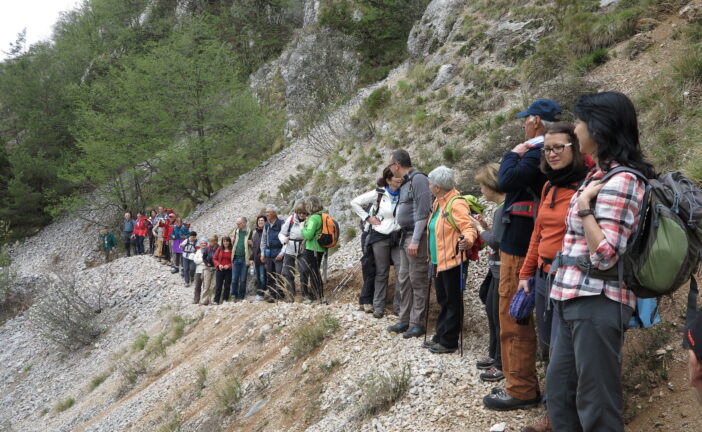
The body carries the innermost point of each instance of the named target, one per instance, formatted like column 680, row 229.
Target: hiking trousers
column 208, row 282
column 311, row 284
column 368, row 271
column 289, row 267
column 384, row 253
column 414, row 283
column 492, row 308
column 450, row 298
column 517, row 341
column 583, row 380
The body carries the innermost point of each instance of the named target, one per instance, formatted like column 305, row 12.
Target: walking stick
column 426, row 313
column 462, row 286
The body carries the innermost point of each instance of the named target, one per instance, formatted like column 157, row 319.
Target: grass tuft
column 229, row 394
column 311, row 335
column 64, row 404
column 379, row 390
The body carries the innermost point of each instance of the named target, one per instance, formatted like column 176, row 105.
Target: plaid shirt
column 617, row 212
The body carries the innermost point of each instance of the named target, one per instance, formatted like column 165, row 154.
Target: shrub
column 688, row 70
column 229, row 394
column 201, row 377
column 451, row 154
column 67, row 315
column 376, row 101
column 590, row 61
column 64, row 404
column 170, row 421
column 311, row 335
column 140, row 342
column 380, row 390
column 350, row 233
column 98, row 379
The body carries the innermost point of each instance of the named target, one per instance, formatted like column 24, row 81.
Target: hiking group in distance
column 584, row 236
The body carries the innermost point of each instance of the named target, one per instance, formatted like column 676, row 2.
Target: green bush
column 64, row 404
column 380, row 390
column 311, row 335
column 140, row 342
column 228, row 394
column 376, row 101
column 590, row 61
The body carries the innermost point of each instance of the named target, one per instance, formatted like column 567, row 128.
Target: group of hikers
column 551, row 210
column 274, row 250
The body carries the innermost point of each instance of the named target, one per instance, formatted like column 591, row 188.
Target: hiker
column 448, row 261
column 583, row 378
column 128, row 233
column 223, row 265
column 179, row 233
column 693, row 342
column 167, row 246
column 565, row 168
column 157, row 230
column 107, row 242
column 153, row 221
column 199, row 268
column 140, row 230
column 293, row 246
column 486, row 177
column 240, row 243
column 311, row 285
column 412, row 212
column 382, row 239
column 255, row 257
column 272, row 256
column 209, row 270
column 189, row 247
column 519, row 176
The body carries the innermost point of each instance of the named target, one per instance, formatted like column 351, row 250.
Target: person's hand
column 374, row 221
column 523, row 284
column 263, row 259
column 520, row 149
column 252, row 263
column 588, row 194
column 286, row 239
column 463, row 244
column 250, row 242
column 475, row 223
column 412, row 249
column 279, row 258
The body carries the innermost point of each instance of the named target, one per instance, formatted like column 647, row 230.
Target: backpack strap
column 691, row 306
column 292, row 218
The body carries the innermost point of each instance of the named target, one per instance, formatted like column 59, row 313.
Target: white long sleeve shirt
column 388, row 224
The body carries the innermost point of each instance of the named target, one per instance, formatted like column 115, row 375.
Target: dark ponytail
column 612, row 124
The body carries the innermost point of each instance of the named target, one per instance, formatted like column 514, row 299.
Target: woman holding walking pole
column 446, row 257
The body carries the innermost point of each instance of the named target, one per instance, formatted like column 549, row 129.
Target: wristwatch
column 586, row 212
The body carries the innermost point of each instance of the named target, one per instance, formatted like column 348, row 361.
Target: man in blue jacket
column 520, row 177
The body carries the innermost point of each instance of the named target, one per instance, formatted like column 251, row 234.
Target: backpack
column 475, row 207
column 665, row 248
column 329, row 236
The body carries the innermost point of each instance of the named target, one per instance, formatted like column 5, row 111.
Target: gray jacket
column 295, row 244
column 412, row 212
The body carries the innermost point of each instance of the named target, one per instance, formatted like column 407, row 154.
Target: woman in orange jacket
column 446, row 259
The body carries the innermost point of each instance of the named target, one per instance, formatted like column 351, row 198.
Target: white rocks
column 284, row 351
column 498, row 427
column 443, row 76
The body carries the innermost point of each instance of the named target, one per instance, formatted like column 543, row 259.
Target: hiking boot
column 413, row 332
column 492, row 375
column 429, row 343
column 362, row 308
column 307, row 302
column 398, row 328
column 485, row 363
column 440, row 349
column 496, row 389
column 378, row 314
column 542, row 424
column 501, row 401
column 258, row 298
column 368, row 308
column 174, row 270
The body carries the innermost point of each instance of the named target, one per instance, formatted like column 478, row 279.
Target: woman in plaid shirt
column 583, row 379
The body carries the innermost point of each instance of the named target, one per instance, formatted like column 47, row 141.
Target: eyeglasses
column 557, row 149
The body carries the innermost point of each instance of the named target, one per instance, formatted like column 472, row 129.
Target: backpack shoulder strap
column 620, row 169
column 448, row 212
column 290, row 224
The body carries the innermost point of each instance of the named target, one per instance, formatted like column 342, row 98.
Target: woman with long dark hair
column 256, row 264
column 583, row 380
column 223, row 264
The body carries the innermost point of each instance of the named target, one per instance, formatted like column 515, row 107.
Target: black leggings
column 223, row 279
column 310, row 279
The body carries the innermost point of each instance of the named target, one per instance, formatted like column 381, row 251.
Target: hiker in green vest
column 107, row 242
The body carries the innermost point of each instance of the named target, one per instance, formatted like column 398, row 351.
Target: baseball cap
column 692, row 338
column 547, row 109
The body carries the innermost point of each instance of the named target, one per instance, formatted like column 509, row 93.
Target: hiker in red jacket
column 140, row 231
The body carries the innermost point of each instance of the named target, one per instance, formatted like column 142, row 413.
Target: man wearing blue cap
column 521, row 178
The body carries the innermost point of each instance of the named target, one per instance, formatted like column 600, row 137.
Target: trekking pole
column 347, row 278
column 426, row 313
column 462, row 287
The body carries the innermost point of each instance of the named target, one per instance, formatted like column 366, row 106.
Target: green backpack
column 665, row 249
column 473, row 204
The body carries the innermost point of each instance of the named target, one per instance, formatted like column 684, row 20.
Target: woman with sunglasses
column 565, row 168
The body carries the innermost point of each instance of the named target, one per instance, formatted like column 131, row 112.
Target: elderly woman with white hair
column 445, row 229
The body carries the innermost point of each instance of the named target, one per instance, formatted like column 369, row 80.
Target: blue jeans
column 260, row 271
column 238, row 290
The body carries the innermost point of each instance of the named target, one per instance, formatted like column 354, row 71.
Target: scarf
column 565, row 176
column 394, row 196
